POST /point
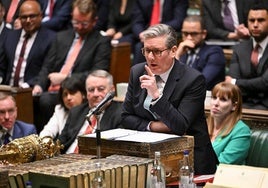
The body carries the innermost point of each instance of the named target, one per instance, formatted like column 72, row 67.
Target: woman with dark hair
column 72, row 93
column 229, row 135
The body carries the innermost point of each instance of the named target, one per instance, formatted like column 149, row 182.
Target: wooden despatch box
column 171, row 150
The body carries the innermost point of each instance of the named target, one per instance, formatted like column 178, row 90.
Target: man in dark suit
column 60, row 17
column 167, row 96
column 35, row 50
column 172, row 14
column 3, row 29
column 208, row 59
column 212, row 11
column 94, row 53
column 251, row 76
column 98, row 84
column 10, row 128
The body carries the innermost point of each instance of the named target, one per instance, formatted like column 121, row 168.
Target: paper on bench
column 133, row 135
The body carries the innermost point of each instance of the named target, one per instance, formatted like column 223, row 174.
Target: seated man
column 208, row 59
column 167, row 96
column 78, row 51
column 98, row 84
column 10, row 128
column 249, row 62
column 225, row 19
column 24, row 50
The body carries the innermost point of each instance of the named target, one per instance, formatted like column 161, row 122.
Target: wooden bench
column 120, row 62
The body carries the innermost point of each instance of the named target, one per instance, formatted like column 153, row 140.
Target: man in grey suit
column 98, row 84
column 94, row 53
column 252, row 78
column 167, row 96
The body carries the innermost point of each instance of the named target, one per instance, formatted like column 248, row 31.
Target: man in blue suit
column 35, row 50
column 60, row 16
column 10, row 128
column 172, row 13
column 208, row 59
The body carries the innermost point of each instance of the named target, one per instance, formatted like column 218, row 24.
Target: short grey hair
column 102, row 74
column 162, row 30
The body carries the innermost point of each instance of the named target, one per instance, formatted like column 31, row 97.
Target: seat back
column 258, row 152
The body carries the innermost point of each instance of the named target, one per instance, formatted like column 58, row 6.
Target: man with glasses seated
column 78, row 50
column 23, row 51
column 208, row 59
column 10, row 128
column 167, row 96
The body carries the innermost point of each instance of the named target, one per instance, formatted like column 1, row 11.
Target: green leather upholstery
column 258, row 152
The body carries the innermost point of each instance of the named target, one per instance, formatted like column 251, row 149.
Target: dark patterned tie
column 227, row 18
column 6, row 138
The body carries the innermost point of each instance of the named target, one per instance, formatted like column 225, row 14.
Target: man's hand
column 184, row 46
column 159, row 126
column 56, row 78
column 242, row 31
column 37, row 90
column 228, row 79
column 148, row 82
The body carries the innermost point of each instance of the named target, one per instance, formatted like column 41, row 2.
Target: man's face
column 97, row 88
column 8, row 113
column 159, row 58
column 258, row 24
column 82, row 23
column 192, row 31
column 30, row 16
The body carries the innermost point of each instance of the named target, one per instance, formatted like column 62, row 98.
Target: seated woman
column 229, row 135
column 72, row 93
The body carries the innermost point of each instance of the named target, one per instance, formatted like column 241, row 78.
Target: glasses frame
column 31, row 17
column 193, row 34
column 155, row 52
column 84, row 24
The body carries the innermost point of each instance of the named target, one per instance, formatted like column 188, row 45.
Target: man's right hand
column 183, row 47
column 37, row 90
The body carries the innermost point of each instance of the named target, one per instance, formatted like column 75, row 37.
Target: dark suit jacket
column 103, row 7
column 22, row 129
column 181, row 108
column 174, row 11
column 35, row 58
column 61, row 17
column 211, row 10
column 95, row 54
column 6, row 4
column 210, row 61
column 111, row 119
column 253, row 83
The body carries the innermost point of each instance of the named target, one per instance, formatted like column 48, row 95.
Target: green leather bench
column 258, row 152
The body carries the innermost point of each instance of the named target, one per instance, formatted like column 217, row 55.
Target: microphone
column 99, row 108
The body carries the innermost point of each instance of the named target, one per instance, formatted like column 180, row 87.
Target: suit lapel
column 263, row 61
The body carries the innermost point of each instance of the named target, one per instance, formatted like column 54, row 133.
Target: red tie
column 89, row 129
column 11, row 11
column 254, row 55
column 51, row 7
column 155, row 18
column 69, row 62
column 21, row 58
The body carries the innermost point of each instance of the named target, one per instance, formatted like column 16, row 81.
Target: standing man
column 98, row 84
column 78, row 50
column 193, row 51
column 10, row 128
column 249, row 62
column 24, row 51
column 167, row 96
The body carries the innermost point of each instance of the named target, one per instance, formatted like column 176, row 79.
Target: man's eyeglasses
column 83, row 24
column 31, row 17
column 193, row 34
column 156, row 52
